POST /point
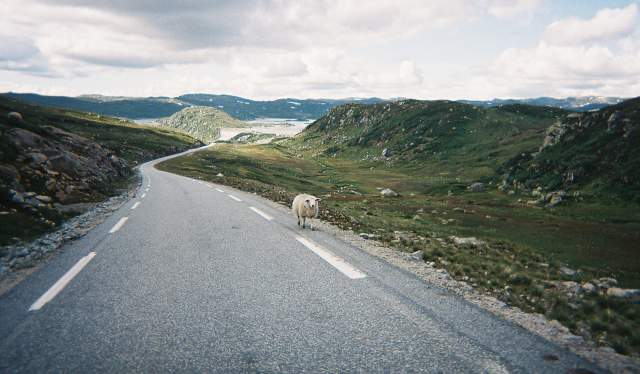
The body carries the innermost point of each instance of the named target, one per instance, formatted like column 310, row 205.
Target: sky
column 267, row 49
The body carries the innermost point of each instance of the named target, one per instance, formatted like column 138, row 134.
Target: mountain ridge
column 248, row 109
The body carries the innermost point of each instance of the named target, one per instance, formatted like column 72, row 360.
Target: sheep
column 305, row 206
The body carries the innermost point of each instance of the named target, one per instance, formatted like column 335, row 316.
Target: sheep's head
column 312, row 202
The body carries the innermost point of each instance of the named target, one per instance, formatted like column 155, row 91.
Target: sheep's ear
column 318, row 199
column 306, row 201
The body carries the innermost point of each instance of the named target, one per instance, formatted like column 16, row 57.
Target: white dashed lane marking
column 219, row 190
column 118, row 225
column 62, row 282
column 135, row 205
column 233, row 197
column 335, row 261
column 143, row 195
column 263, row 214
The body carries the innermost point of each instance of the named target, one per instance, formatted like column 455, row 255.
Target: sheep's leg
column 298, row 220
column 304, row 222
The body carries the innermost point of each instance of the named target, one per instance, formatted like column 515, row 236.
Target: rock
column 417, row 255
column 534, row 202
column 476, row 187
column 458, row 209
column 387, row 192
column 567, row 271
column 219, row 175
column 16, row 197
column 623, row 293
column 44, row 199
column 555, row 200
column 537, row 192
column 37, row 158
column 605, row 282
column 570, row 286
column 613, row 120
column 386, row 152
column 587, row 287
column 470, row 241
column 14, row 116
column 365, row 235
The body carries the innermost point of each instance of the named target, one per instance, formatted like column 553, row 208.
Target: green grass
column 526, row 245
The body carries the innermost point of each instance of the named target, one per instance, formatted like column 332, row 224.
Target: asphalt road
column 196, row 277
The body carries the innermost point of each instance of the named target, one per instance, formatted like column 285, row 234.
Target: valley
column 529, row 250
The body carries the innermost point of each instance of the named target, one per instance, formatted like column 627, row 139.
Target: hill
column 50, row 158
column 288, row 108
column 595, row 153
column 580, row 104
column 158, row 107
column 133, row 108
column 467, row 142
column 202, row 123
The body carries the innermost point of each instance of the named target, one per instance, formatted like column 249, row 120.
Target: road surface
column 195, row 277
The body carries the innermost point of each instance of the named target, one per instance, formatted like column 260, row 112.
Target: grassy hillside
column 434, row 152
column 67, row 157
column 202, row 123
column 596, row 155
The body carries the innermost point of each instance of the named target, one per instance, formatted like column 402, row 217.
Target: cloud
column 606, row 24
column 510, row 8
column 577, row 57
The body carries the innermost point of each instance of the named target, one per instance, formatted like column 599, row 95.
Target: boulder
column 587, row 287
column 470, row 241
column 14, row 116
column 605, row 282
column 44, row 198
column 613, row 120
column 567, row 271
column 16, row 197
column 387, row 192
column 623, row 293
column 476, row 187
column 569, row 286
column 386, row 152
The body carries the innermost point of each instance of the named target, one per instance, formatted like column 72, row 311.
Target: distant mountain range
column 157, row 107
column 246, row 109
column 579, row 104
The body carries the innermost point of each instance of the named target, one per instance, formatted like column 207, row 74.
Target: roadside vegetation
column 570, row 261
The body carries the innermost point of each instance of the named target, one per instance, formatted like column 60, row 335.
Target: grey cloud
column 182, row 24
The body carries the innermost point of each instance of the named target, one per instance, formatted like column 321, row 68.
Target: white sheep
column 305, row 206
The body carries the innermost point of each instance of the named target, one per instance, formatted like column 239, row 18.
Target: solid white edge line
column 143, row 195
column 118, row 225
column 62, row 282
column 335, row 261
column 233, row 197
column 219, row 190
column 135, row 205
column 263, row 214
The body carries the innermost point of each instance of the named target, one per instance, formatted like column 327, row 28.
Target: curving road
column 195, row 277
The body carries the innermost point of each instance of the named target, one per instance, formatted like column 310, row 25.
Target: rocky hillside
column 412, row 132
column 202, row 123
column 596, row 153
column 52, row 159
